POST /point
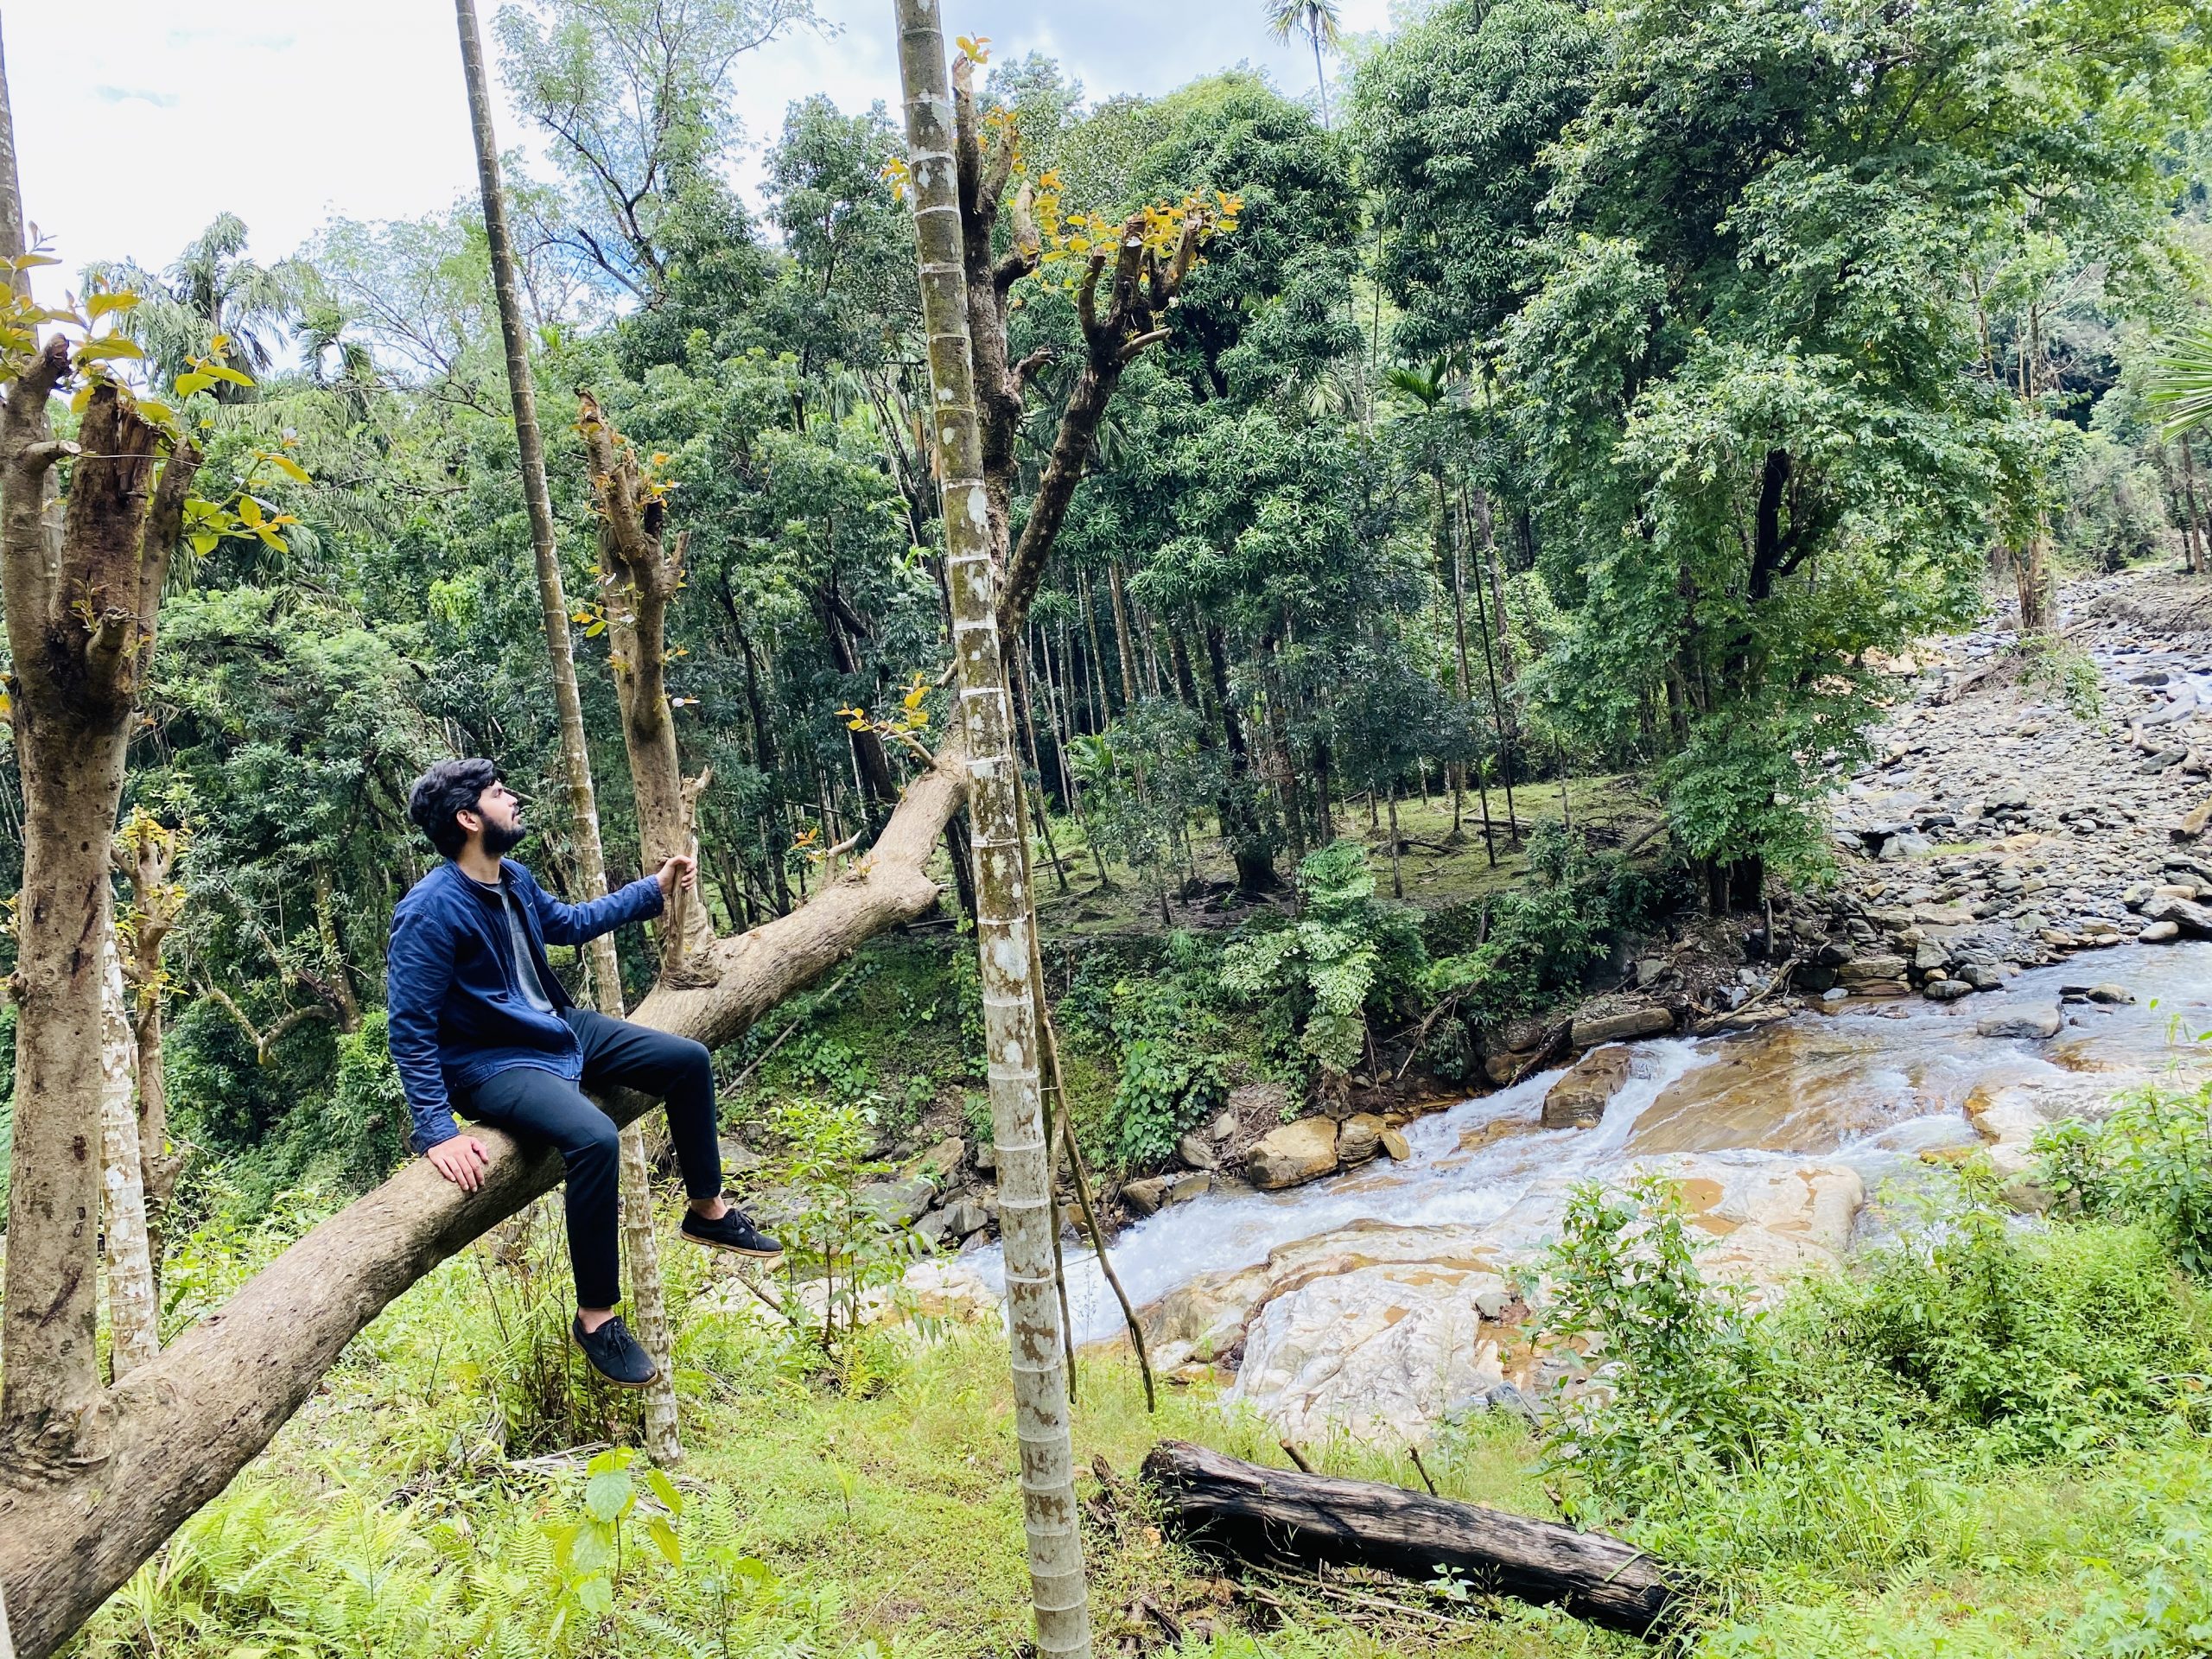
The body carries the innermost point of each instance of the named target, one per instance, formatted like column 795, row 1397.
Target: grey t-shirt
column 526, row 980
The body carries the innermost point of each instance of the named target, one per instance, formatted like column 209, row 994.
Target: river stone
column 1359, row 1139
column 2110, row 993
column 2189, row 916
column 1197, row 1150
column 1502, row 1068
column 965, row 1217
column 1222, row 1129
column 1295, row 1154
column 1942, row 915
column 1982, row 975
column 1863, row 970
column 1147, row 1196
column 1930, row 957
column 2032, row 1024
column 939, row 1162
column 898, row 1202
column 1376, row 1355
column 1649, row 1022
column 2160, row 933
column 1580, row 1094
column 1946, row 990
column 1394, row 1142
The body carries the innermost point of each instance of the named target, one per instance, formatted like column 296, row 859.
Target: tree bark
column 134, row 1331
column 1121, row 634
column 81, row 634
column 648, row 1306
column 1261, row 1512
column 1029, row 1220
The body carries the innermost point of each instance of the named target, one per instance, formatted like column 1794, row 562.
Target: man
column 478, row 1022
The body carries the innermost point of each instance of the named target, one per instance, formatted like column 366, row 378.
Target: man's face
column 499, row 816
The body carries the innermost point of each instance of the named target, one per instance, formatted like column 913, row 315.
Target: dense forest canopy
column 1611, row 387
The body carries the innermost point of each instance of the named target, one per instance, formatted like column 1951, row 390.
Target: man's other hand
column 461, row 1161
column 676, row 870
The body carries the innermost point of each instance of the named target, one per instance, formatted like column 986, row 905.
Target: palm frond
column 2180, row 382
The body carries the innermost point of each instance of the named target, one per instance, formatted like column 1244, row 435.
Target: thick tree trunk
column 133, row 1329
column 648, row 1308
column 1029, row 1220
column 1121, row 634
column 1262, row 1512
column 81, row 633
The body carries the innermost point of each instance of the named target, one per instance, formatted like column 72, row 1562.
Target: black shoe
column 615, row 1354
column 731, row 1232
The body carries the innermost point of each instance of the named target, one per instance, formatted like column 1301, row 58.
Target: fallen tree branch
column 1262, row 1513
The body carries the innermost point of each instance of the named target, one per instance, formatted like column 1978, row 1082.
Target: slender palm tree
column 211, row 290
column 1318, row 19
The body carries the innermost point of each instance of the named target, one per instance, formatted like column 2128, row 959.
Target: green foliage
column 2050, row 662
column 1163, row 1029
column 1833, row 1429
column 1344, row 954
column 1537, row 942
column 2150, row 1163
column 850, row 1249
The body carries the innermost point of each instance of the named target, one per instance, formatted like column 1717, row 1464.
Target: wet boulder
column 1295, row 1153
column 1580, row 1097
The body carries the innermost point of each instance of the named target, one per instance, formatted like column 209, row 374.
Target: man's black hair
column 449, row 787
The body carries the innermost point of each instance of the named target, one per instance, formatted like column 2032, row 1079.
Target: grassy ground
column 424, row 1504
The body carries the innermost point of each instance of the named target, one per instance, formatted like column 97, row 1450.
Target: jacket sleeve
column 574, row 924
column 419, row 970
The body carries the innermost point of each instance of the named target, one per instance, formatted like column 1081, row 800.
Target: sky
column 134, row 132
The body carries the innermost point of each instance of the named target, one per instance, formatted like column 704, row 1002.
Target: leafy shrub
column 1165, row 1089
column 2151, row 1162
column 2031, row 1346
column 1536, row 945
column 1162, row 1028
column 1823, row 1430
column 1343, row 955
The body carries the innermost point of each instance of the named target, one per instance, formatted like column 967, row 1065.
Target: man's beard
column 500, row 841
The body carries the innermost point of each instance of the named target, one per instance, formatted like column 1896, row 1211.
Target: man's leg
column 536, row 1104
column 673, row 1069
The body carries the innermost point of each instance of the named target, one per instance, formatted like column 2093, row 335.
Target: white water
column 1872, row 1085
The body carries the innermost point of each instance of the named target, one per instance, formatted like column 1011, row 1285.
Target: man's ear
column 470, row 820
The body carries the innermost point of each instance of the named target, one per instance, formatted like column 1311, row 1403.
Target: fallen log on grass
column 1259, row 1512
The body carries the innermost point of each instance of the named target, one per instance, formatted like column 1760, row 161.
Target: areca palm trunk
column 1028, row 1222
column 648, row 1305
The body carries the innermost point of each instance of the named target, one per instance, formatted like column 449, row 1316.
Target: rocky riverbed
column 2015, row 937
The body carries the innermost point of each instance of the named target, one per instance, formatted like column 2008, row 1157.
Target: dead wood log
column 1259, row 1512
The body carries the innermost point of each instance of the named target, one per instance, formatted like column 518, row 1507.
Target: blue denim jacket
column 455, row 1011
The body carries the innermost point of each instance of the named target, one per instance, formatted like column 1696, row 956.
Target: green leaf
column 665, row 1490
column 195, row 381
column 595, row 1596
column 608, row 1495
column 662, row 1534
column 223, row 373
column 107, row 346
column 290, row 467
column 593, row 1549
column 100, row 305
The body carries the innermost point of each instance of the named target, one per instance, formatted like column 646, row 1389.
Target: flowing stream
column 1874, row 1084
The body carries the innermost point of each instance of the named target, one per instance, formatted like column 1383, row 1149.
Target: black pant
column 537, row 1104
